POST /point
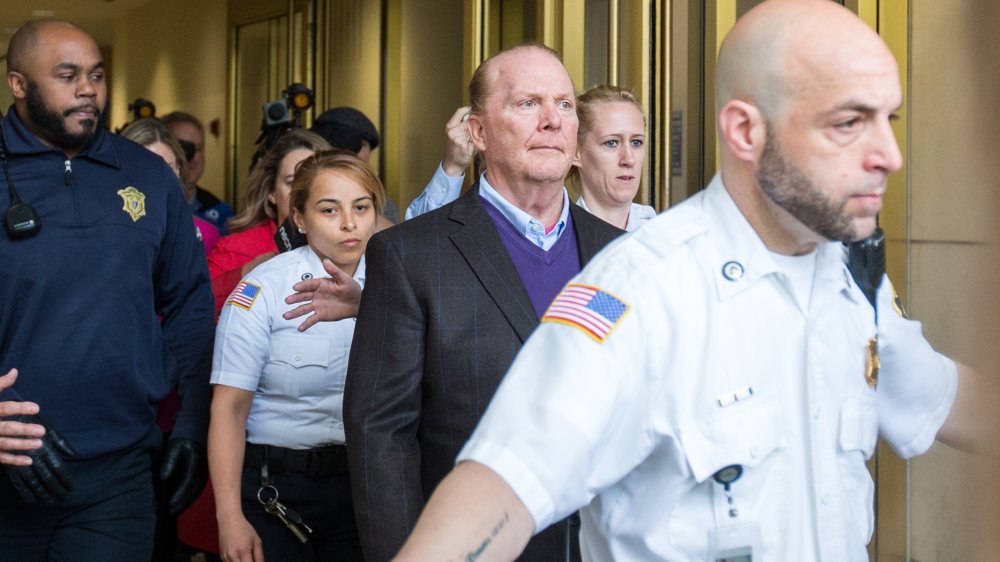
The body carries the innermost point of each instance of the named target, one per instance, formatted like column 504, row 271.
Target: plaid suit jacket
column 442, row 316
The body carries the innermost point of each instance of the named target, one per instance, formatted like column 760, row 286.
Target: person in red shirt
column 265, row 206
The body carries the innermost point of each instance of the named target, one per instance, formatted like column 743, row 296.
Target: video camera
column 282, row 115
column 279, row 117
column 141, row 108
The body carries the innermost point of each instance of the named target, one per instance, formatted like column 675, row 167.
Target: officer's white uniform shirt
column 713, row 364
column 298, row 377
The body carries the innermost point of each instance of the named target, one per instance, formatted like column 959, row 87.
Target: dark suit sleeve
column 382, row 404
column 184, row 297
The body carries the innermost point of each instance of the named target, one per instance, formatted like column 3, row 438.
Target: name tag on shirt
column 735, row 543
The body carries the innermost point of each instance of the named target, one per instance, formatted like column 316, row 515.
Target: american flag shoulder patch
column 587, row 308
column 244, row 295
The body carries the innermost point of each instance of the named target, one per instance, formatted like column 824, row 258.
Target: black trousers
column 324, row 502
column 109, row 516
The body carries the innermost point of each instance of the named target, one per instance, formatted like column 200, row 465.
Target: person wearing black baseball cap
column 349, row 129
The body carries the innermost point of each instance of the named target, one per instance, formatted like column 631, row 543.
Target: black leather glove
column 47, row 479
column 186, row 464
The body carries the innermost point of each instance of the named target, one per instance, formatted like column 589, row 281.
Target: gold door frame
column 638, row 51
column 890, row 472
column 287, row 61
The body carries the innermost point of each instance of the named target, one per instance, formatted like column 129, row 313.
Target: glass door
column 272, row 48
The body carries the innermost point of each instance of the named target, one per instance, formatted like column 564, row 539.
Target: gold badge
column 135, row 202
column 872, row 364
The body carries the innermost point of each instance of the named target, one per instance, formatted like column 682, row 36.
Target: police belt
column 321, row 461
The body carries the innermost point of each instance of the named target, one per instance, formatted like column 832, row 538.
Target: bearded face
column 55, row 124
column 790, row 188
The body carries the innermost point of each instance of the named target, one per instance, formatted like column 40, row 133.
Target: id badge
column 735, row 543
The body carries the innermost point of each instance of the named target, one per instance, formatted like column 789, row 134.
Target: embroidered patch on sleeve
column 244, row 295
column 587, row 308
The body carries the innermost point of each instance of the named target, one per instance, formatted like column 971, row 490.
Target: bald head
column 806, row 96
column 523, row 121
column 782, row 47
column 482, row 84
column 25, row 43
column 57, row 77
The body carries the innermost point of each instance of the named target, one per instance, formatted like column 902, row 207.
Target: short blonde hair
column 587, row 102
column 586, row 111
column 342, row 162
column 149, row 131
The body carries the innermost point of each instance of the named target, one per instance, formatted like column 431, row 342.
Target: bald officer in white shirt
column 705, row 389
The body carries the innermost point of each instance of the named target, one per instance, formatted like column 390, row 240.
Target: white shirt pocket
column 298, row 363
column 751, row 434
column 858, row 437
column 744, row 433
column 859, row 425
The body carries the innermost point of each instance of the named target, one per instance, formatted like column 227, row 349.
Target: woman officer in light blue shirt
column 276, row 439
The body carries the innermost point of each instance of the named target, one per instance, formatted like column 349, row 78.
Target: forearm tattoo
column 487, row 541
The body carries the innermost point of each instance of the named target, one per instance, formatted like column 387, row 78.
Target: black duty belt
column 321, row 461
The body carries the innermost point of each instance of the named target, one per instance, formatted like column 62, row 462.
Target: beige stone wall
column 174, row 53
column 954, row 213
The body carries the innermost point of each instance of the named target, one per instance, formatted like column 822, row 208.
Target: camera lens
column 277, row 112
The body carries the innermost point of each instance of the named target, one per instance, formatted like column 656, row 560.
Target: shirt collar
column 743, row 258
column 532, row 229
column 637, row 214
column 359, row 273
column 313, row 265
column 20, row 140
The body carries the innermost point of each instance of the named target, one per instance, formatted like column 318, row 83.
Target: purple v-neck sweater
column 543, row 273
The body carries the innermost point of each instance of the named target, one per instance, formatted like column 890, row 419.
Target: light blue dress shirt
column 533, row 230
